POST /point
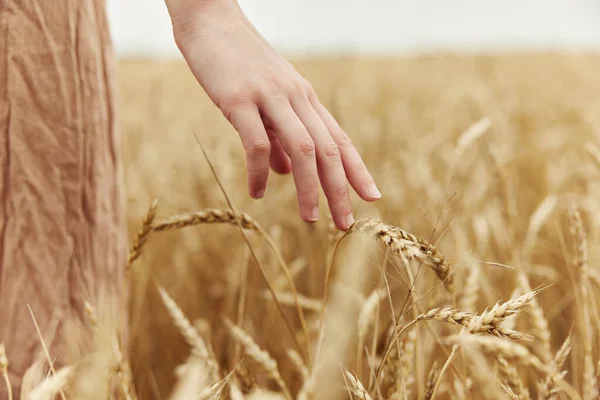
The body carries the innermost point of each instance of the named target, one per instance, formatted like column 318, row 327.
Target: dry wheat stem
column 259, row 355
column 190, row 334
column 582, row 267
column 53, row 385
column 440, row 375
column 504, row 193
column 541, row 330
column 498, row 347
column 409, row 246
column 44, row 348
column 473, row 133
column 365, row 319
column 487, row 322
column 298, row 363
column 356, row 387
column 4, row 370
column 207, row 216
column 432, row 378
column 243, row 220
column 513, row 380
column 287, row 299
column 214, row 391
column 471, row 293
column 548, row 388
column 141, row 236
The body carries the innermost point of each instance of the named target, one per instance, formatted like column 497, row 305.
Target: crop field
column 475, row 276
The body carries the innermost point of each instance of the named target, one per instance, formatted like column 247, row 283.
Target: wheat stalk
column 432, row 378
column 208, row 216
column 474, row 323
column 4, row 370
column 408, row 246
column 398, row 371
column 287, row 299
column 52, row 385
column 582, row 267
column 356, row 387
column 259, row 355
column 503, row 348
column 540, row 328
column 473, row 133
column 471, row 293
column 141, row 236
column 548, row 388
column 298, row 363
column 244, row 221
column 513, row 380
column 190, row 334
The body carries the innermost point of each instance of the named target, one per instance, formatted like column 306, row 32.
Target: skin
column 278, row 115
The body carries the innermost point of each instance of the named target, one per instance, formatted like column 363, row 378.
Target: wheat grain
column 53, row 385
column 208, row 216
column 141, row 236
column 540, row 328
column 190, row 334
column 471, row 292
column 259, row 355
column 298, row 363
column 513, row 380
column 474, row 323
column 503, row 348
column 432, row 378
column 398, row 374
column 408, row 246
column 356, row 387
column 548, row 388
column 473, row 133
column 287, row 299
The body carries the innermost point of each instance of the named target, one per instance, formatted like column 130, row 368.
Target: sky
column 141, row 28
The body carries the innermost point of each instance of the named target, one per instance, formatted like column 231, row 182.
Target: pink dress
column 62, row 228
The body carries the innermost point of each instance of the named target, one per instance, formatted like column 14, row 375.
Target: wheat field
column 475, row 276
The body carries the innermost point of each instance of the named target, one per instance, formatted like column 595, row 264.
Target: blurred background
column 479, row 121
column 142, row 28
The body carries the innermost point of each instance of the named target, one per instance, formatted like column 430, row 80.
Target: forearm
column 192, row 17
column 181, row 8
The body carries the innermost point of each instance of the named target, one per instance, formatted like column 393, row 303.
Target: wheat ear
column 409, row 246
column 191, row 335
column 356, row 387
column 259, row 355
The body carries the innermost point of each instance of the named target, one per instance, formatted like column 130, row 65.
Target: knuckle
column 259, row 147
column 295, row 87
column 333, row 153
column 342, row 194
column 309, row 192
column 341, row 138
column 234, row 100
column 306, row 147
column 308, row 88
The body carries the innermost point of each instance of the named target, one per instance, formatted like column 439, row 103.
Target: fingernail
column 314, row 214
column 349, row 220
column 260, row 194
column 373, row 191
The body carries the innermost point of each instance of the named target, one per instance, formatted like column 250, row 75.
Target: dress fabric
column 62, row 226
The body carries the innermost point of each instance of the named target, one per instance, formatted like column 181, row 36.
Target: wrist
column 180, row 9
column 190, row 17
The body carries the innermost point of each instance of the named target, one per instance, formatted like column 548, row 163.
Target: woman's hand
column 276, row 112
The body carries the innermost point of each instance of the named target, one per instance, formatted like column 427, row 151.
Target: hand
column 276, row 112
